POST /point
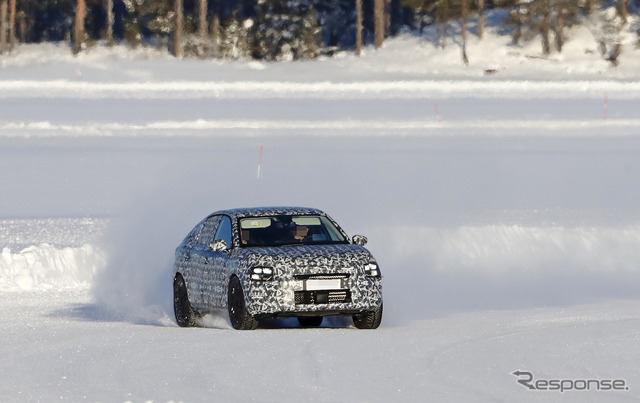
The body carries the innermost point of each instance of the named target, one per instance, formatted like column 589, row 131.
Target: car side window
column 224, row 231
column 205, row 237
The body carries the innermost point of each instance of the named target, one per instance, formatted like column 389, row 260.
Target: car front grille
column 329, row 276
column 334, row 293
column 322, row 297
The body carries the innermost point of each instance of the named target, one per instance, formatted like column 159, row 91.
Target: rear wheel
column 310, row 321
column 185, row 314
column 368, row 320
column 238, row 316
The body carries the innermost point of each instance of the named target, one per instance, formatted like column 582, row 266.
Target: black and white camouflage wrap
column 207, row 273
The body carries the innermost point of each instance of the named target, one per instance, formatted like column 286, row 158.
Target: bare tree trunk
column 546, row 26
column 480, row 18
column 378, row 15
column 22, row 18
column 78, row 36
column 559, row 29
column 588, row 7
column 624, row 10
column 177, row 35
column 12, row 25
column 387, row 18
column 439, row 40
column 109, row 7
column 465, row 12
column 358, row 27
column 202, row 23
column 3, row 27
column 215, row 32
column 518, row 21
column 443, row 11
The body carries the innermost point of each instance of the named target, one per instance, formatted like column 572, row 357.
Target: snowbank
column 430, row 272
column 516, row 250
column 408, row 56
column 450, row 268
column 47, row 267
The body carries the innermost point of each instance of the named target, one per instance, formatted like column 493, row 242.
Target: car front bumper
column 303, row 295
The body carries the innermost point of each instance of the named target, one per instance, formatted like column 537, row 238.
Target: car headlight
column 372, row 270
column 261, row 273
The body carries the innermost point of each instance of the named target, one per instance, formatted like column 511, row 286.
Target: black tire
column 310, row 321
column 368, row 320
column 238, row 316
column 185, row 314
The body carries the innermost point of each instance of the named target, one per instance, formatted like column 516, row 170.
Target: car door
column 218, row 262
column 200, row 281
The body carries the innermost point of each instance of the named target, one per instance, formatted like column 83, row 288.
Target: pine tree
column 306, row 35
column 234, row 42
column 610, row 34
column 285, row 30
column 338, row 22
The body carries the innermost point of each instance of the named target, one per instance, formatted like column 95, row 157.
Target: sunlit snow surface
column 504, row 212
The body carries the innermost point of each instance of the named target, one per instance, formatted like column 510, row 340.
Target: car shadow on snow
column 87, row 312
column 220, row 321
column 93, row 312
column 329, row 322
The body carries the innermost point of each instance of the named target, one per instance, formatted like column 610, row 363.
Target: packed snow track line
column 419, row 89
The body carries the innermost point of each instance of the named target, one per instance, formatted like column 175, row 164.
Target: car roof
column 268, row 211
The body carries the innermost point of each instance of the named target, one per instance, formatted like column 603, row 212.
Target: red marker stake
column 606, row 105
column 435, row 106
column 260, row 160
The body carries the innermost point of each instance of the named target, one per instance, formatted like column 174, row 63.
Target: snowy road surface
column 61, row 346
column 507, row 226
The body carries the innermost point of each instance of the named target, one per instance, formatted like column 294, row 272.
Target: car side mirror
column 219, row 246
column 359, row 240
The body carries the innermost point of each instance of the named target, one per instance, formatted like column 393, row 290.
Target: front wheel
column 368, row 320
column 185, row 314
column 238, row 316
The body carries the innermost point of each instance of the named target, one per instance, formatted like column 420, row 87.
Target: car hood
column 308, row 259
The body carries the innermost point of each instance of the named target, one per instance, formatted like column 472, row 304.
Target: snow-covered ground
column 504, row 210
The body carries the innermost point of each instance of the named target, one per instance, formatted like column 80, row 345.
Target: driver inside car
column 300, row 233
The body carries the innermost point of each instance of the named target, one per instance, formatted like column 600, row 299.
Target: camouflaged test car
column 273, row 263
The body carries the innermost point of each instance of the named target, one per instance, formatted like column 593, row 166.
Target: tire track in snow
column 419, row 89
column 430, row 127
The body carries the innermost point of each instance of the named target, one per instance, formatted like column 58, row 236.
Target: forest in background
column 281, row 30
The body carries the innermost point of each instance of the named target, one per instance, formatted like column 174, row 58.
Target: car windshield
column 289, row 230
